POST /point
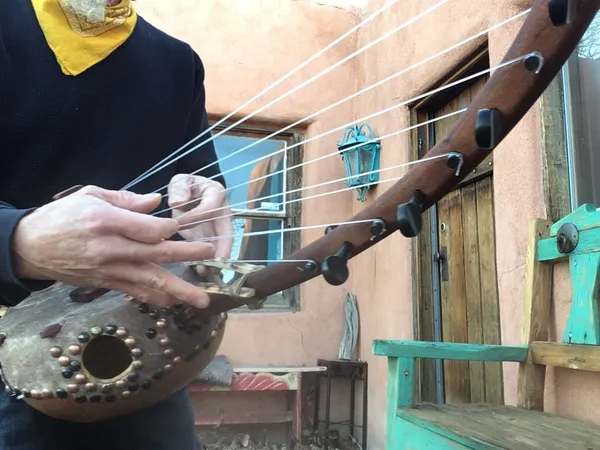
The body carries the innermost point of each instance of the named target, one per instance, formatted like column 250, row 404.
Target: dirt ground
column 243, row 442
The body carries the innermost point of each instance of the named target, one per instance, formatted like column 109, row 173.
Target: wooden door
column 455, row 273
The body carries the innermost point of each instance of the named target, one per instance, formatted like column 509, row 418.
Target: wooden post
column 536, row 318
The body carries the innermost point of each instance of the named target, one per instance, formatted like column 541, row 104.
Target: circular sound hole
column 106, row 357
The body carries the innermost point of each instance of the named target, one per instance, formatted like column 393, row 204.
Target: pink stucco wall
column 248, row 44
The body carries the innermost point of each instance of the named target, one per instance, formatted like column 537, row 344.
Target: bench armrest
column 446, row 350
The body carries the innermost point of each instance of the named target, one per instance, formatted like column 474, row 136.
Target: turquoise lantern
column 360, row 153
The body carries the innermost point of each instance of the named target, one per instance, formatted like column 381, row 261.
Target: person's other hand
column 106, row 239
column 198, row 199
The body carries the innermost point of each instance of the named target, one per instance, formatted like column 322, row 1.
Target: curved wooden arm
column 511, row 90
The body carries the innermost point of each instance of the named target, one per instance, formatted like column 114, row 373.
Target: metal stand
column 345, row 370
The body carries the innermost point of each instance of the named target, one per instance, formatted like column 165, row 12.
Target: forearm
column 12, row 288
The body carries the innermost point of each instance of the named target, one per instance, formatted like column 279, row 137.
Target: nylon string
column 362, row 91
column 274, row 85
column 288, row 93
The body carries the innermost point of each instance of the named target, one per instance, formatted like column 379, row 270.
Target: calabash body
column 110, row 357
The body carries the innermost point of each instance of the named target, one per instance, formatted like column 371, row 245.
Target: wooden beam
column 536, row 317
column 570, row 356
column 449, row 351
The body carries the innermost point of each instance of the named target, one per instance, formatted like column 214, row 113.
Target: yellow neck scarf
column 78, row 45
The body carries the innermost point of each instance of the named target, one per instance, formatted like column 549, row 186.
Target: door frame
column 419, row 144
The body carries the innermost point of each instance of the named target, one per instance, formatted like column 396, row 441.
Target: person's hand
column 106, row 239
column 198, row 199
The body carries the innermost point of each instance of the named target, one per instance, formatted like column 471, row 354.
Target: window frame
column 291, row 216
column 559, row 126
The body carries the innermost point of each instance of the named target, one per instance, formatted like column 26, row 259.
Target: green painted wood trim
column 469, row 442
column 589, row 242
column 400, row 392
column 447, row 350
column 409, row 436
column 583, row 324
column 584, row 218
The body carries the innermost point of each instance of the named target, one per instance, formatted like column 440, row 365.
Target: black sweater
column 104, row 127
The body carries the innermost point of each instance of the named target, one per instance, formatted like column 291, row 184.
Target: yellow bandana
column 78, row 45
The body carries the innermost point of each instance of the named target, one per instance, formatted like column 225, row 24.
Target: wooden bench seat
column 480, row 426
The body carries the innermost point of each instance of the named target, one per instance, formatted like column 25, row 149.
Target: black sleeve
column 12, row 289
column 198, row 124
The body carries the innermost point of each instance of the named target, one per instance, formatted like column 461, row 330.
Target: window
column 258, row 176
column 581, row 81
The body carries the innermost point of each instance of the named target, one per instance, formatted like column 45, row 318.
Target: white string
column 275, row 84
column 376, row 114
column 288, row 93
column 325, row 183
column 288, row 230
column 261, row 261
column 364, row 90
column 320, row 158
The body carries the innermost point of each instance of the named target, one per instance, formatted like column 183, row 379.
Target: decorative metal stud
column 169, row 353
column 151, row 333
column 84, row 337
column 121, row 333
column 133, row 376
column 158, row 374
column 66, row 372
column 131, row 342
column 120, row 384
column 64, row 360
column 75, row 366
column 137, row 364
column 177, row 360
column 74, row 350
column 137, row 352
column 46, row 393
column 61, row 393
column 73, row 388
column 80, row 378
column 168, row 367
column 56, row 351
column 90, row 387
column 214, row 334
column 161, row 324
column 146, row 384
column 96, row 331
column 110, row 329
column 106, row 389
column 165, row 342
column 133, row 387
column 36, row 395
column 126, row 395
column 81, row 399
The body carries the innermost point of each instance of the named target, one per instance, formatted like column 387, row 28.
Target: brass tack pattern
column 80, row 378
column 56, row 351
column 64, row 361
column 74, row 350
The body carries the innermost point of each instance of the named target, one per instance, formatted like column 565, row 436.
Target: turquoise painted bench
column 414, row 425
